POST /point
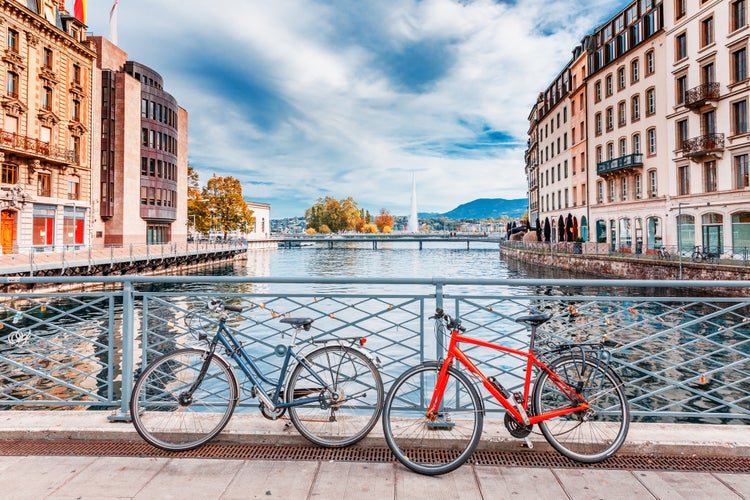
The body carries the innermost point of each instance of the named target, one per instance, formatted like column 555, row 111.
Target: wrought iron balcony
column 703, row 145
column 28, row 146
column 698, row 96
column 622, row 163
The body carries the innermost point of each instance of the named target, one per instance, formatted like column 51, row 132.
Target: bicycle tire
column 165, row 422
column 587, row 437
column 432, row 448
column 696, row 257
column 356, row 382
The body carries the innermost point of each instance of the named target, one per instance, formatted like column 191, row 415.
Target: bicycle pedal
column 528, row 443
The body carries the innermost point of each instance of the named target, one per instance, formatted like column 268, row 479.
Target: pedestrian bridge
column 376, row 240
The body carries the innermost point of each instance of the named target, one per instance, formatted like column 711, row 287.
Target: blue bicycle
column 185, row 398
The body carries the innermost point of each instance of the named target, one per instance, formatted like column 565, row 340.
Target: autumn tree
column 197, row 210
column 384, row 219
column 227, row 209
column 335, row 215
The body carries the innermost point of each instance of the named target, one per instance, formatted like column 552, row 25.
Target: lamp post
column 679, row 233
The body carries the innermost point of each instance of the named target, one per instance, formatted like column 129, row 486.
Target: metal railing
column 725, row 255
column 697, row 96
column 682, row 353
column 620, row 163
column 703, row 145
column 18, row 142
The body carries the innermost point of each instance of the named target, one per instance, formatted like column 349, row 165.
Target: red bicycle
column 433, row 413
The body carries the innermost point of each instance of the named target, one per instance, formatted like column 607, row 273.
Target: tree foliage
column 197, row 210
column 384, row 219
column 226, row 209
column 335, row 215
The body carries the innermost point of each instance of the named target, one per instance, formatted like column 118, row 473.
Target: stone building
column 48, row 67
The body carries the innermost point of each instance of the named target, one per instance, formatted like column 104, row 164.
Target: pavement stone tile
column 36, row 477
column 272, row 480
column 111, row 477
column 346, row 480
column 585, row 484
column 461, row 484
column 182, row 478
column 519, row 482
column 692, row 485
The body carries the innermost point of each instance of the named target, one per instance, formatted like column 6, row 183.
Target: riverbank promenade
column 83, row 455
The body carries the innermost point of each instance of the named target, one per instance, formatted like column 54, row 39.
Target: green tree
column 227, row 209
column 334, row 214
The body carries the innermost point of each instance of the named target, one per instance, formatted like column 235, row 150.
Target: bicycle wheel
column 344, row 410
column 696, row 257
column 593, row 435
column 438, row 446
column 166, row 416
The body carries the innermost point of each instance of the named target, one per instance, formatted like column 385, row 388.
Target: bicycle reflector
column 362, row 340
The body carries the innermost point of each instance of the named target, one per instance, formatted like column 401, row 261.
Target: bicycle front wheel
column 432, row 445
column 587, row 436
column 337, row 395
column 167, row 415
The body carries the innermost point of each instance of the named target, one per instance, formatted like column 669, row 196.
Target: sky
column 303, row 99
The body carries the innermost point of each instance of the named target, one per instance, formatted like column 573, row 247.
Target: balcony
column 623, row 164
column 697, row 97
column 34, row 148
column 704, row 145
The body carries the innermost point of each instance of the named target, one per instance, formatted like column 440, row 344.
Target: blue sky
column 302, row 99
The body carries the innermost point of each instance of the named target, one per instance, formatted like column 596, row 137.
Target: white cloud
column 301, row 98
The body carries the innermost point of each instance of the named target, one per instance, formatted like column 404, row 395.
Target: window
column 621, row 78
column 683, row 181
column 651, row 133
column 610, row 119
column 738, row 14
column 623, row 147
column 144, row 108
column 611, row 190
column 598, row 123
column 13, row 44
column 75, row 145
column 9, row 173
column 600, row 192
column 608, row 85
column 598, row 91
column 681, row 89
column 76, row 115
column 741, row 171
column 634, row 71
column 707, row 32
column 621, row 114
column 650, row 63
column 47, row 58
column 679, row 9
column 43, row 184
column 739, row 117
column 652, row 183
column 638, row 186
column 680, row 47
column 708, row 73
column 709, row 176
column 708, row 121
column 610, row 150
column 624, row 188
column 76, row 74
column 47, row 98
column 74, row 188
column 635, row 107
column 651, row 101
column 681, row 134
column 739, row 65
column 637, row 144
column 43, row 225
column 599, row 157
column 11, row 85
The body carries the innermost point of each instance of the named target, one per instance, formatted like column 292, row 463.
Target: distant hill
column 484, row 208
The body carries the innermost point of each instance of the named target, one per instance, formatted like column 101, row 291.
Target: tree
column 197, row 210
column 227, row 209
column 335, row 215
column 384, row 219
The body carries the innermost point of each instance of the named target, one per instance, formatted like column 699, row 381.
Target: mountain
column 484, row 208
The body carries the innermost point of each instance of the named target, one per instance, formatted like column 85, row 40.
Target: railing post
column 439, row 347
column 128, row 343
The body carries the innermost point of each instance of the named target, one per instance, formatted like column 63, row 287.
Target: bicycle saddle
column 534, row 319
column 298, row 322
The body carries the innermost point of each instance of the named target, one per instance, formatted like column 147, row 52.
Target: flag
column 79, row 10
column 113, row 23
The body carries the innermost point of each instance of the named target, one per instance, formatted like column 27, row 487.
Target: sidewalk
column 61, row 477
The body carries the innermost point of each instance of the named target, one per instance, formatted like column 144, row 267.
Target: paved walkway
column 60, row 477
column 37, row 477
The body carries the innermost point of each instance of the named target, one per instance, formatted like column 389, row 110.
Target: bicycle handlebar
column 217, row 305
column 453, row 324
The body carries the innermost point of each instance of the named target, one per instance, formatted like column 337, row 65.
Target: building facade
column 45, row 145
column 667, row 139
column 140, row 171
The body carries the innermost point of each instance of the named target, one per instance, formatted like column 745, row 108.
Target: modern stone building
column 45, row 145
column 667, row 140
column 140, row 165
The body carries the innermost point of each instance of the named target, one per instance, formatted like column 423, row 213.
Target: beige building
column 45, row 146
column 262, row 228
column 707, row 106
column 140, row 165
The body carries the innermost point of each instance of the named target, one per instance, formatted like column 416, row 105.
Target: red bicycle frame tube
column 454, row 352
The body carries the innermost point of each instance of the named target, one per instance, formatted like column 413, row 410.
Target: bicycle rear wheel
column 167, row 416
column 443, row 444
column 344, row 410
column 587, row 436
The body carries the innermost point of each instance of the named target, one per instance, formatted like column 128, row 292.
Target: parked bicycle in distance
column 663, row 253
column 183, row 399
column 433, row 413
column 700, row 254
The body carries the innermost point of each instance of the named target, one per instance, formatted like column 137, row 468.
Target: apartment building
column 579, row 213
column 628, row 146
column 47, row 63
column 140, row 166
column 707, row 105
column 531, row 158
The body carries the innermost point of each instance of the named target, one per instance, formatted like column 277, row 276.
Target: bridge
column 296, row 240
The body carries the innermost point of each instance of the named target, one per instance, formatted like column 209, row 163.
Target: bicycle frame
column 225, row 337
column 455, row 353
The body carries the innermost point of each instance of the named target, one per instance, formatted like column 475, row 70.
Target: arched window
column 741, row 234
